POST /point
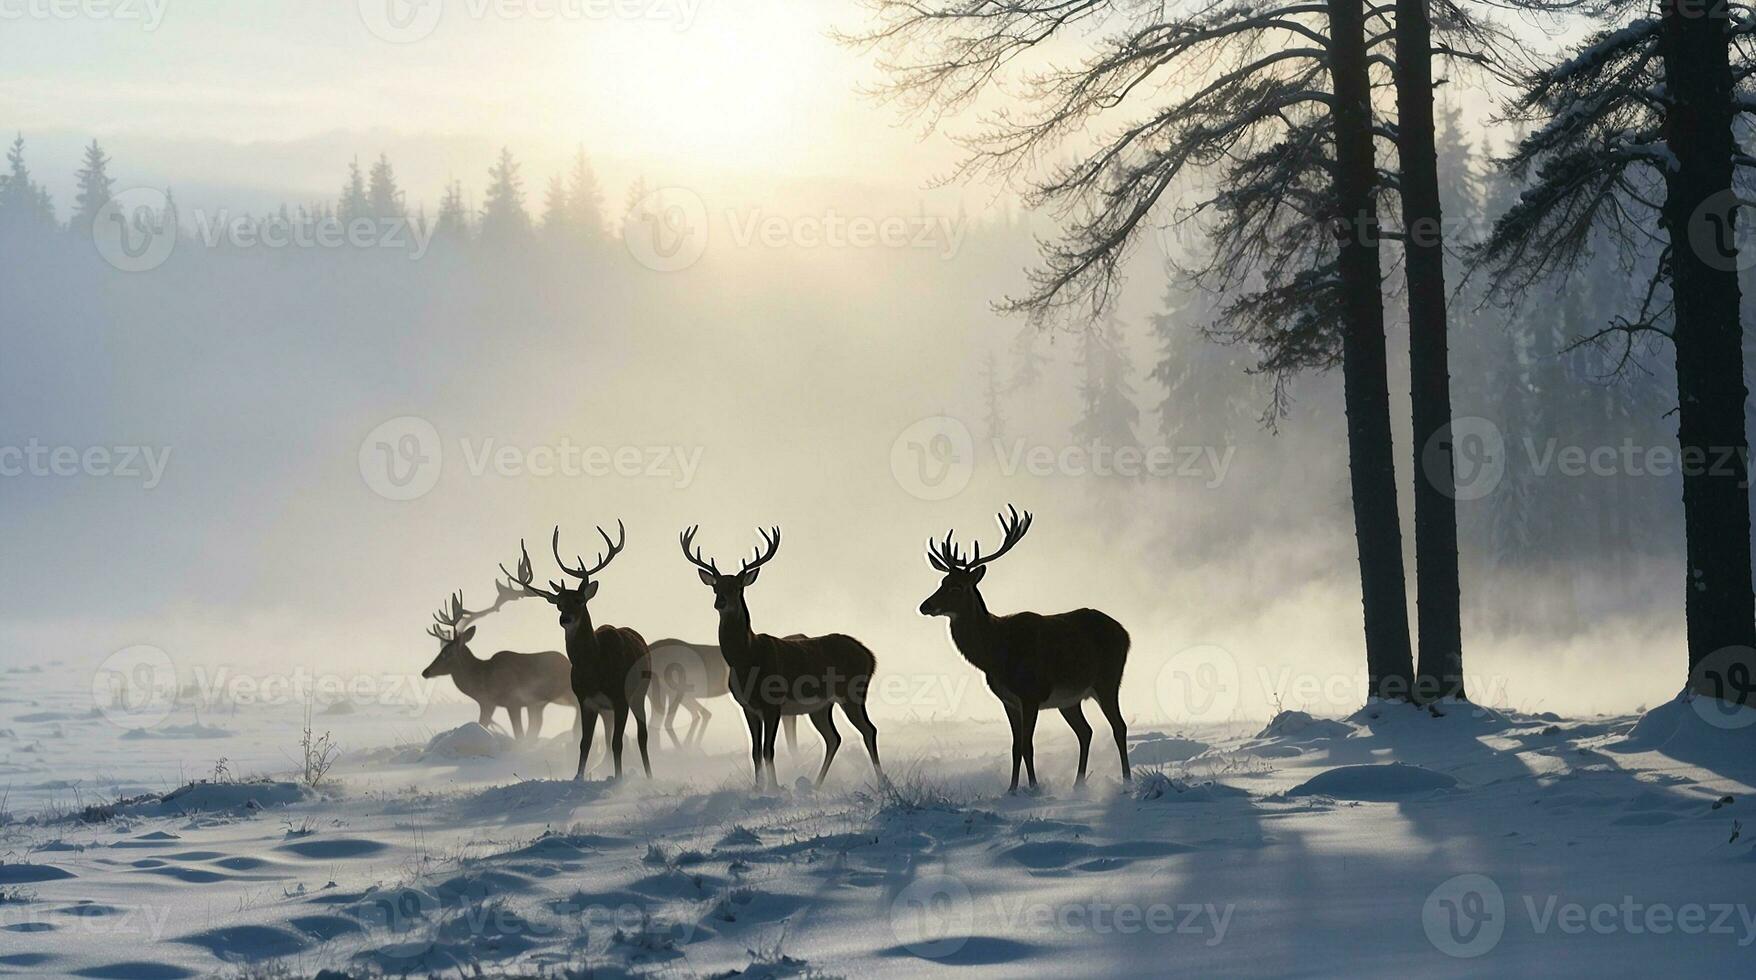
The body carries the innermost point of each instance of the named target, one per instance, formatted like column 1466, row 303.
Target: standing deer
column 684, row 675
column 772, row 677
column 1032, row 661
column 514, row 681
column 610, row 671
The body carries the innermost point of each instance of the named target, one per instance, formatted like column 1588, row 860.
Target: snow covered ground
column 1476, row 843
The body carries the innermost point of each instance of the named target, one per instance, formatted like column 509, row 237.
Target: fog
column 810, row 368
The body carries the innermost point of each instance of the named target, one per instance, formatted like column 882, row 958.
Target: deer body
column 518, row 682
column 608, row 667
column 1031, row 661
column 684, row 675
column 775, row 677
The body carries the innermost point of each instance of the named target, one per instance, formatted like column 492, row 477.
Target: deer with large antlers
column 609, row 668
column 773, row 677
column 1031, row 661
column 518, row 682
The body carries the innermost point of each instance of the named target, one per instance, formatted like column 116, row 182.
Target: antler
column 453, row 615
column 762, row 556
column 686, row 538
column 603, row 560
column 943, row 554
column 525, row 575
column 946, row 556
column 1014, row 528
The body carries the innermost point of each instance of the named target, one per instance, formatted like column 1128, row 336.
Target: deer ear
column 976, row 573
column 588, row 589
column 706, row 579
column 749, row 577
column 467, row 635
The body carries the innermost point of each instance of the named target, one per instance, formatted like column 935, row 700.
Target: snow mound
column 218, row 798
column 1157, row 748
column 1299, row 726
column 1392, row 781
column 1158, row 786
column 24, row 874
column 468, row 741
column 1700, row 730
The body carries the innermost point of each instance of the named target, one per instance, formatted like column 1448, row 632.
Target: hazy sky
column 278, row 96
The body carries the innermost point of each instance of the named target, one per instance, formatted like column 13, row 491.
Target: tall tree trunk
column 1365, row 386
column 1438, row 623
column 1699, row 212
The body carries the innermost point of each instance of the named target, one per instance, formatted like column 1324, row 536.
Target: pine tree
column 354, row 201
column 503, row 216
column 557, row 217
column 23, row 202
column 1210, row 398
column 94, row 189
column 585, row 200
column 1107, row 410
column 454, row 215
column 993, row 418
column 383, row 198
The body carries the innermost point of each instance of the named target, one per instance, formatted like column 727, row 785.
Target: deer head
column 728, row 590
column 571, row 602
column 957, row 593
column 452, row 628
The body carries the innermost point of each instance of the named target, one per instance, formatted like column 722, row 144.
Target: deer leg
column 1111, row 706
column 1017, row 751
column 825, row 722
column 586, row 728
column 639, row 709
column 671, row 721
column 535, row 725
column 517, row 716
column 621, row 725
column 699, row 716
column 487, row 714
column 1027, row 734
column 1075, row 716
column 856, row 712
column 770, row 728
column 791, row 722
column 755, row 722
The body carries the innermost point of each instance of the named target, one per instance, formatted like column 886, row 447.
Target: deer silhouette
column 527, row 682
column 610, row 672
column 1032, row 661
column 772, row 677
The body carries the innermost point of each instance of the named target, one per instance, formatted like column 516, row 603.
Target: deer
column 685, row 674
column 773, row 677
column 609, row 669
column 528, row 682
column 1032, row 661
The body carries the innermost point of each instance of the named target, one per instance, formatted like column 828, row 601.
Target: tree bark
column 1365, row 385
column 1699, row 215
column 1439, row 615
